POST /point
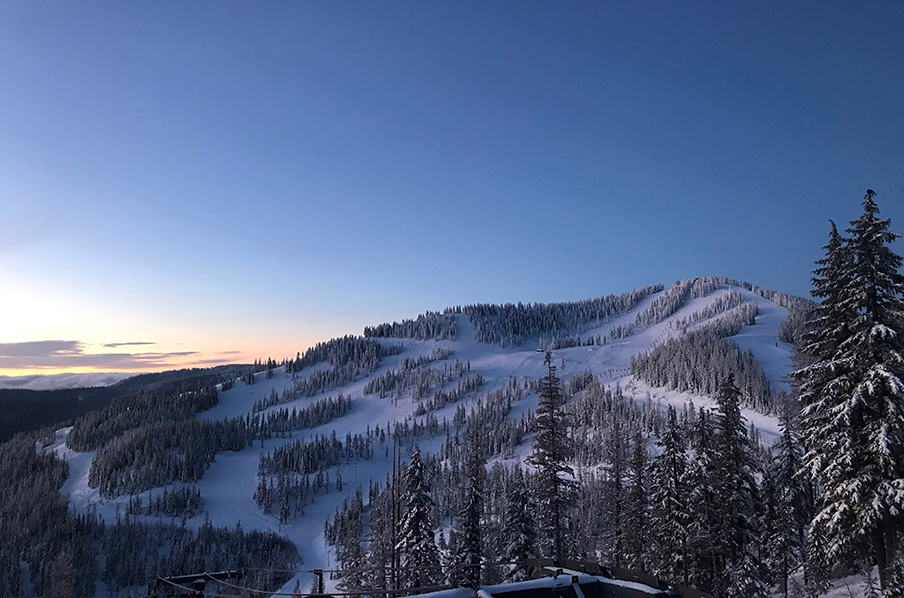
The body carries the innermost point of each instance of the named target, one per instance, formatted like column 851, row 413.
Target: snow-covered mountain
column 447, row 359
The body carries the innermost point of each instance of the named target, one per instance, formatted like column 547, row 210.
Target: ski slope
column 229, row 484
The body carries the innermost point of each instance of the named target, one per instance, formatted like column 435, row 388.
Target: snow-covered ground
column 228, row 486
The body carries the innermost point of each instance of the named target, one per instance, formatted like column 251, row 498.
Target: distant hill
column 25, row 409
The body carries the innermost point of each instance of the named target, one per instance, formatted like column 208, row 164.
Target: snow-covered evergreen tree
column 737, row 494
column 616, row 493
column 790, row 504
column 703, row 515
column 636, row 541
column 853, row 392
column 669, row 496
column 468, row 557
column 549, row 457
column 417, row 545
column 347, row 538
column 519, row 533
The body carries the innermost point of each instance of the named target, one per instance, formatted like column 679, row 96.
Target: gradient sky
column 230, row 180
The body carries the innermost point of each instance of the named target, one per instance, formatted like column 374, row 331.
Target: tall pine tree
column 468, row 559
column 703, row 514
column 417, row 545
column 518, row 532
column 853, row 392
column 737, row 496
column 549, row 456
column 669, row 496
column 636, row 541
column 790, row 502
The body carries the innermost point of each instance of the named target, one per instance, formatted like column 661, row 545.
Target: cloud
column 31, row 358
column 38, row 355
column 128, row 344
column 40, row 349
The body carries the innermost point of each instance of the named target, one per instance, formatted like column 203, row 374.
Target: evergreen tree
column 381, row 548
column 62, row 576
column 518, row 532
column 669, row 498
column 468, row 557
column 417, row 545
column 737, row 495
column 283, row 497
column 616, row 490
column 789, row 502
column 348, row 538
column 637, row 508
column 703, row 516
column 853, row 392
column 549, row 457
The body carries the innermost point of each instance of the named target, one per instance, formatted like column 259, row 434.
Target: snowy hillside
column 603, row 348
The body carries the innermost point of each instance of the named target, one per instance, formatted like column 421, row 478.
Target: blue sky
column 236, row 179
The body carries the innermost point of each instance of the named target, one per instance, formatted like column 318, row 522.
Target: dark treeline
column 183, row 502
column 731, row 322
column 37, row 530
column 698, row 361
column 135, row 552
column 510, row 324
column 23, row 410
column 316, row 382
column 350, row 357
column 463, row 388
column 781, row 299
column 415, row 373
column 362, row 353
column 664, row 306
column 489, row 423
column 173, row 403
column 320, row 453
column 296, row 472
column 181, row 451
column 428, row 326
column 558, row 324
column 316, row 414
column 154, row 455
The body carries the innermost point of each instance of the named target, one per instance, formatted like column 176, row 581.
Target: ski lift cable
column 366, row 569
column 302, row 595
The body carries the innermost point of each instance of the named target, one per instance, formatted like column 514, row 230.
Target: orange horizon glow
column 150, row 369
column 197, row 360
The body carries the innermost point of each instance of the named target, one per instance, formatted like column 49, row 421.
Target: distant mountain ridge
column 44, row 400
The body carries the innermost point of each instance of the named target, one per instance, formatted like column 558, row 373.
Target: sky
column 191, row 183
